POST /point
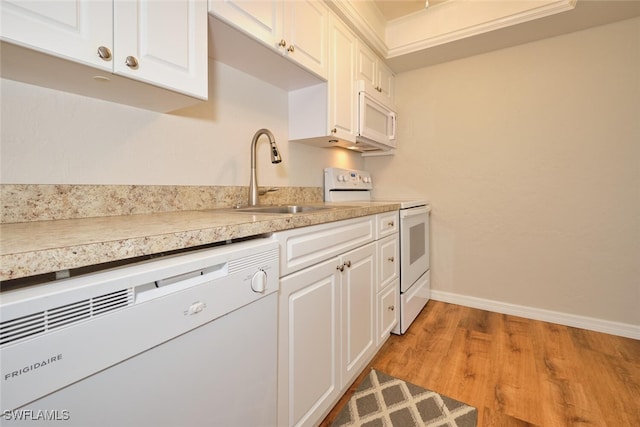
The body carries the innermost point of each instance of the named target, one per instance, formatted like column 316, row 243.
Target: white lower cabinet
column 358, row 287
column 388, row 290
column 387, row 309
column 333, row 313
column 309, row 344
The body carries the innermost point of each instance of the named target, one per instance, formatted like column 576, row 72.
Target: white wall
column 51, row 137
column 531, row 158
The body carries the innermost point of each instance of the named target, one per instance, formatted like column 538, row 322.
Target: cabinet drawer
column 388, row 260
column 386, row 224
column 302, row 247
column 388, row 313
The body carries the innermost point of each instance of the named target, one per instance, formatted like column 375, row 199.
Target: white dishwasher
column 181, row 340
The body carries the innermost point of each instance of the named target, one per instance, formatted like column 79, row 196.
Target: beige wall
column 531, row 158
column 51, row 137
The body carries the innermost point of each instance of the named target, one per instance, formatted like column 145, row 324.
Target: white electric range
column 349, row 185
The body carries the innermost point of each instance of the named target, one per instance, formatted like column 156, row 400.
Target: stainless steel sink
column 283, row 209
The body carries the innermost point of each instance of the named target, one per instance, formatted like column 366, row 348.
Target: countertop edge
column 51, row 258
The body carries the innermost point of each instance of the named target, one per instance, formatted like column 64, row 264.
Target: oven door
column 414, row 245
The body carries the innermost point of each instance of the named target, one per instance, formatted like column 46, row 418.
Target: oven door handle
column 406, row 213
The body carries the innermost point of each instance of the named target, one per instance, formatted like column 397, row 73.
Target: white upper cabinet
column 262, row 19
column 306, row 24
column 371, row 68
column 342, row 99
column 163, row 43
column 72, row 29
column 297, row 29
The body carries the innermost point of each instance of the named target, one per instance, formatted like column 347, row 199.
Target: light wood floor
column 517, row 372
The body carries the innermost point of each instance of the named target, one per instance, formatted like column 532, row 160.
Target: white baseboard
column 590, row 323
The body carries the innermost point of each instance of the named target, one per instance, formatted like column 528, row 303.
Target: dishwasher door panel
column 210, row 376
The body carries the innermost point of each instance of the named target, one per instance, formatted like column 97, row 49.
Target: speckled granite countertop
column 33, row 248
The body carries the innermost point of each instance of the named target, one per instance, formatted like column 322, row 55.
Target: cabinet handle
column 391, row 259
column 282, row 43
column 340, row 267
column 379, row 89
column 391, row 307
column 290, row 49
column 131, row 62
column 104, row 53
column 391, row 223
column 334, row 130
column 348, row 264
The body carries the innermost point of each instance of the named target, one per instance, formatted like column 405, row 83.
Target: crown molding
column 497, row 22
column 362, row 26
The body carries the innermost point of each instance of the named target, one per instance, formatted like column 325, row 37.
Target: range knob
column 259, row 282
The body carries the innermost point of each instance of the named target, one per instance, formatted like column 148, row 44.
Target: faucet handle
column 267, row 190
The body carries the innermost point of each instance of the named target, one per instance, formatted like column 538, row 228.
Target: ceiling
column 392, row 9
column 465, row 38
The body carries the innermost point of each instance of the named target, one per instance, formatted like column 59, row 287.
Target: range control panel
column 347, row 179
column 338, row 180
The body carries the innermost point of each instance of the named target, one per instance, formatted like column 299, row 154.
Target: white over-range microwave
column 377, row 119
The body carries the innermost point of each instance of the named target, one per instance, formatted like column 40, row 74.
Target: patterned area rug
column 384, row 401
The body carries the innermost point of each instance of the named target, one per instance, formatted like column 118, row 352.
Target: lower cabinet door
column 309, row 354
column 388, row 311
column 358, row 310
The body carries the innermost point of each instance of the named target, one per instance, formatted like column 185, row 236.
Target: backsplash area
column 40, row 202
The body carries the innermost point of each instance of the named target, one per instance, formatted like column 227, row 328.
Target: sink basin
column 283, row 209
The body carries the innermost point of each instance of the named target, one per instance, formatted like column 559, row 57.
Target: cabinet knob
column 391, row 223
column 290, row 49
column 391, row 307
column 131, row 62
column 348, row 264
column 334, row 130
column 104, row 53
column 282, row 43
column 379, row 89
column 391, row 259
column 340, row 267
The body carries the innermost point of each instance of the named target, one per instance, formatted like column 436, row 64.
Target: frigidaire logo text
column 33, row 367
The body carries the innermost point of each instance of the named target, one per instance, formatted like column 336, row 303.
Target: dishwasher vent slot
column 253, row 260
column 64, row 315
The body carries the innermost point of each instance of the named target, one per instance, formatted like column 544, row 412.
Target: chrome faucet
column 275, row 158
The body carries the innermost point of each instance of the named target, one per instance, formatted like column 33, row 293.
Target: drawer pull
column 391, row 307
column 348, row 264
column 391, row 223
column 391, row 259
column 340, row 267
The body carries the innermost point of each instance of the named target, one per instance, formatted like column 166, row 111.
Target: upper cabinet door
column 262, row 19
column 163, row 43
column 366, row 64
column 386, row 81
column 296, row 29
column 71, row 29
column 306, row 26
column 342, row 100
column 370, row 67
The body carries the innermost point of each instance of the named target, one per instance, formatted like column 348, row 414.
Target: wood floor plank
column 517, row 372
column 515, row 380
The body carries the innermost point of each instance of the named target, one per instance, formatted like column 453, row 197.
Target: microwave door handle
column 393, row 126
